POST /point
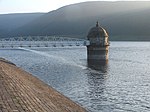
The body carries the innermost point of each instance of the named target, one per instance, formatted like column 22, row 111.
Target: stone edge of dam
column 20, row 91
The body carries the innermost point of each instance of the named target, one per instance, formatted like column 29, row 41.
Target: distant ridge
column 11, row 22
column 123, row 20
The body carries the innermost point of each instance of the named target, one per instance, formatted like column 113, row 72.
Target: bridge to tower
column 41, row 41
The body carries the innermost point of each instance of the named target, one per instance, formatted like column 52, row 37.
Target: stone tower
column 97, row 51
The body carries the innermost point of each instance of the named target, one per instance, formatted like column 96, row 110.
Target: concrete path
column 22, row 92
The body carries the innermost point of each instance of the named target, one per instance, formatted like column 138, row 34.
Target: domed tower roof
column 97, row 31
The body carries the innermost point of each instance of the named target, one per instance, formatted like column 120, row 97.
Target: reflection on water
column 98, row 65
column 96, row 82
column 96, row 92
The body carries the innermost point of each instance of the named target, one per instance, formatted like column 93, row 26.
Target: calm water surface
column 121, row 85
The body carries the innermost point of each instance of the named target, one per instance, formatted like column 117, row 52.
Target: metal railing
column 41, row 41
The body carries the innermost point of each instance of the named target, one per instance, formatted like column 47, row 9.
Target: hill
column 123, row 20
column 10, row 22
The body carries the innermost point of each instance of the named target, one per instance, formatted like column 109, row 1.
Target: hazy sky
column 19, row 6
column 23, row 6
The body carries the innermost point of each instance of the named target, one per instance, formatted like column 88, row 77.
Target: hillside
column 10, row 22
column 123, row 20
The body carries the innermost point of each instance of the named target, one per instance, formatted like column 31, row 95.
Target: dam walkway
column 22, row 92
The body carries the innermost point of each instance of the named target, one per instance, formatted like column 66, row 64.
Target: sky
column 24, row 6
column 27, row 6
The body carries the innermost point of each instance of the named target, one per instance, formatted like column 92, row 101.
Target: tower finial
column 97, row 24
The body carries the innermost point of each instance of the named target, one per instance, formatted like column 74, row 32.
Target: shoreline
column 21, row 91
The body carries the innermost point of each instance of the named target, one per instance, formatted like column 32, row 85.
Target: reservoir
column 122, row 84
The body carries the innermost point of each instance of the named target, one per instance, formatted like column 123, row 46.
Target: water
column 119, row 86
